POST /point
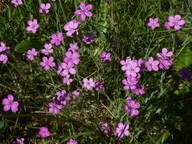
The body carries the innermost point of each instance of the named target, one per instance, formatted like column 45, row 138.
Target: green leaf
column 29, row 44
column 1, row 123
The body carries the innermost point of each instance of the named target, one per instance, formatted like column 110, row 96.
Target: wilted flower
column 19, row 141
column 98, row 85
column 186, row 74
column 139, row 90
column 72, row 141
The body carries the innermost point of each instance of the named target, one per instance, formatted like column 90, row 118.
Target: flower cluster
column 186, row 74
column 174, row 21
column 132, row 106
column 3, row 52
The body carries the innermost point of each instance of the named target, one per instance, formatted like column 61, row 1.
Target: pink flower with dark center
column 54, row 108
column 62, row 97
column 44, row 132
column 73, row 47
column 85, row 11
column 121, row 130
column 132, row 106
column 88, row 38
column 98, row 85
column 153, row 23
column 176, row 22
column 139, row 90
column 72, row 58
column 75, row 94
column 105, row 128
column 47, row 63
column 3, row 58
column 48, row 49
column 151, row 64
column 16, row 2
column 65, row 69
column 106, row 57
column 33, row 25
column 67, row 80
column 44, row 8
column 72, row 141
column 165, row 54
column 3, row 47
column 71, row 27
column 88, row 84
column 31, row 53
column 10, row 104
column 57, row 38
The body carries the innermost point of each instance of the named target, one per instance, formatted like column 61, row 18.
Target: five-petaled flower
column 44, row 132
column 176, row 22
column 106, row 57
column 33, row 25
column 10, row 104
column 151, row 64
column 54, row 107
column 88, row 84
column 47, row 63
column 121, row 130
column 31, row 53
column 48, row 49
column 153, row 23
column 88, row 38
column 85, row 11
column 16, row 2
column 44, row 8
column 72, row 58
column 71, row 27
column 57, row 38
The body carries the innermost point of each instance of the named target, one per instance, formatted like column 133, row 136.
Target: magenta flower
column 139, row 90
column 121, row 130
column 71, row 27
column 176, row 22
column 167, row 25
column 73, row 47
column 72, row 141
column 185, row 74
column 3, row 47
column 31, row 53
column 153, row 23
column 132, row 69
column 48, row 49
column 3, row 58
column 132, row 106
column 105, row 128
column 33, row 25
column 44, row 132
column 75, row 94
column 98, row 85
column 57, row 38
column 16, row 2
column 53, row 0
column 10, row 104
column 88, row 38
column 19, row 141
column 106, row 57
column 44, row 8
column 47, row 63
column 85, row 11
column 67, row 80
column 54, row 107
column 151, row 64
column 165, row 54
column 164, row 63
column 62, row 97
column 125, row 63
column 88, row 84
column 71, row 58
column 65, row 69
column 129, row 83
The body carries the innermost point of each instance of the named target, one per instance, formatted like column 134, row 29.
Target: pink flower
column 3, row 58
column 176, row 22
column 44, row 8
column 132, row 106
column 57, row 38
column 54, row 108
column 75, row 94
column 47, row 63
column 105, row 128
column 9, row 103
column 73, row 47
column 48, row 49
column 88, row 84
column 165, row 54
column 16, row 2
column 153, row 23
column 167, row 25
column 164, row 63
column 130, row 83
column 151, row 64
column 71, row 58
column 65, row 69
column 67, row 80
column 53, row 0
column 88, row 38
column 31, row 53
column 122, row 130
column 139, row 90
column 62, row 97
column 125, row 63
column 72, row 141
column 106, row 57
column 85, row 11
column 19, row 141
column 132, row 69
column 3, row 47
column 33, row 26
column 44, row 132
column 72, row 27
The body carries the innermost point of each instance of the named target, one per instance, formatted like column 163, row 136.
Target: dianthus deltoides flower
column 31, row 53
column 54, row 107
column 88, row 84
column 47, row 63
column 105, row 128
column 85, row 11
column 71, row 27
column 48, row 49
column 33, row 25
column 65, row 69
column 10, row 104
column 3, row 47
column 186, row 74
column 88, row 38
column 72, row 141
column 75, row 94
column 19, row 141
column 176, row 22
column 16, row 2
column 44, row 132
column 62, row 97
column 153, row 23
column 98, row 85
column 105, row 57
column 152, row 64
column 57, row 38
column 3, row 58
column 121, row 130
column 67, row 80
column 132, row 106
column 44, row 8
column 72, row 58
